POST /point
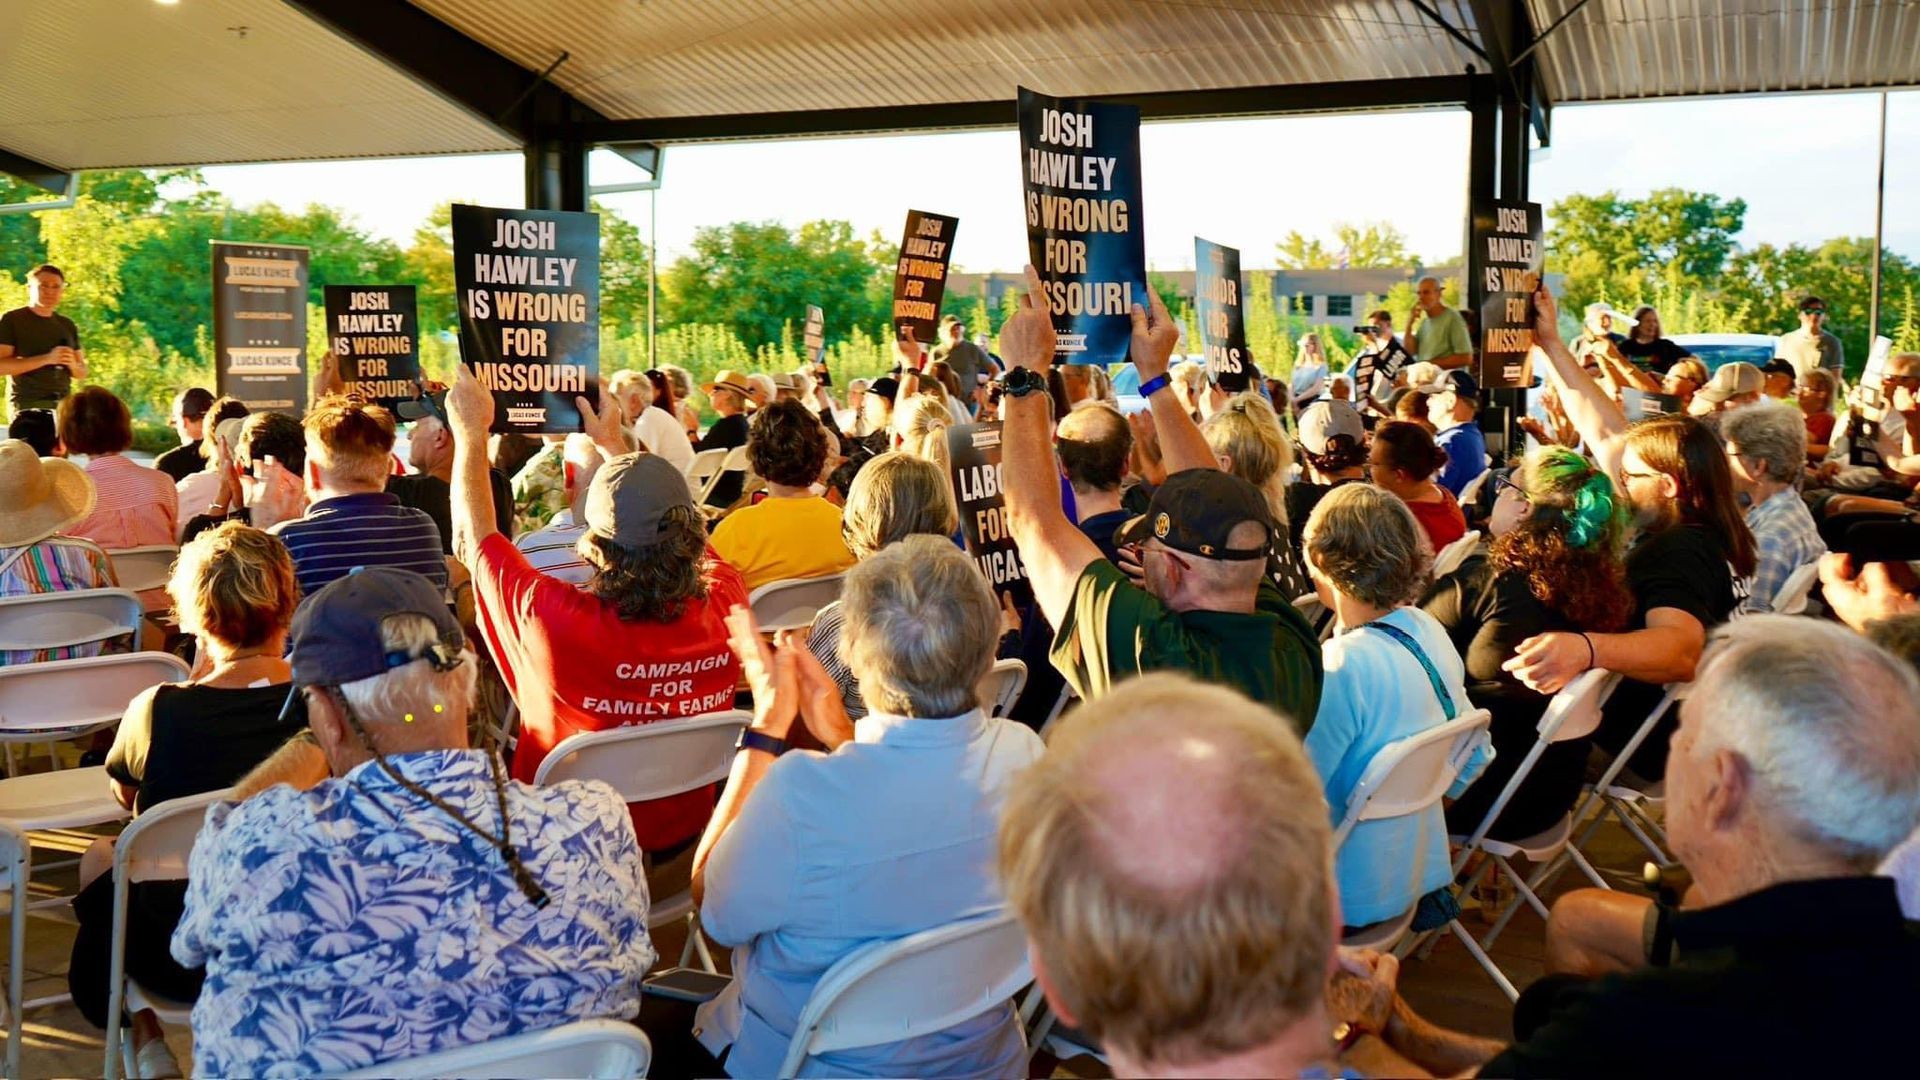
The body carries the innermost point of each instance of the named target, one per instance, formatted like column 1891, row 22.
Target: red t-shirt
column 1820, row 427
column 573, row 666
column 1443, row 520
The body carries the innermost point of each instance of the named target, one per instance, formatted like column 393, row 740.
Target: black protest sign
column 973, row 453
column 1080, row 161
column 1218, row 299
column 260, row 325
column 1509, row 253
column 374, row 333
column 528, row 283
column 920, row 277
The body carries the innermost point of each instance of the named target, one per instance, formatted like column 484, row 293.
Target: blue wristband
column 1155, row 385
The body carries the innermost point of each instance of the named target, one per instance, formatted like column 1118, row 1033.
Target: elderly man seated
column 1795, row 770
column 382, row 891
column 812, row 855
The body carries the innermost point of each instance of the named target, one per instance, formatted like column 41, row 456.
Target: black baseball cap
column 1780, row 365
column 1196, row 510
column 423, row 406
column 885, row 386
column 1464, row 384
column 336, row 632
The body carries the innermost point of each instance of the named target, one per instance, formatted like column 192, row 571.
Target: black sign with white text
column 1507, row 244
column 528, row 283
column 1080, row 162
column 260, row 325
column 1218, row 302
column 374, row 332
column 920, row 277
column 973, row 451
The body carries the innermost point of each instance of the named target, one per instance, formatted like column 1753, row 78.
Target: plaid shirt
column 1785, row 538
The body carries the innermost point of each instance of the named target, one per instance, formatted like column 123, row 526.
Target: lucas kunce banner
column 1218, row 295
column 374, row 332
column 920, row 276
column 528, row 283
column 1509, row 254
column 260, row 325
column 973, row 453
column 1080, row 162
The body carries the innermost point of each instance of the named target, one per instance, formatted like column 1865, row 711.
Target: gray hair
column 894, row 496
column 1365, row 543
column 920, row 630
column 414, row 689
column 1770, row 432
column 1824, row 718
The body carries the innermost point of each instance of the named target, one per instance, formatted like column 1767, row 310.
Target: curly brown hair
column 651, row 583
column 786, row 444
column 1568, row 546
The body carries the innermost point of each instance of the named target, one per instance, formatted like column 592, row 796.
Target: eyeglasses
column 1501, row 483
column 1813, row 311
column 1633, row 474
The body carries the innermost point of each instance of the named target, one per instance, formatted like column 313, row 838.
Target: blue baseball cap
column 336, row 632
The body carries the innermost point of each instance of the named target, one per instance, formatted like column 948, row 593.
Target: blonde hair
column 350, row 441
column 895, row 496
column 235, row 585
column 920, row 420
column 413, row 689
column 1248, row 431
column 1174, row 961
column 920, row 628
column 1365, row 543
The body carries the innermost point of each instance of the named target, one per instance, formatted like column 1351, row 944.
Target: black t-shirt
column 1100, row 529
column 176, row 741
column 725, row 434
column 32, row 334
column 1810, row 978
column 433, row 497
column 1302, row 497
column 181, row 462
column 1656, row 356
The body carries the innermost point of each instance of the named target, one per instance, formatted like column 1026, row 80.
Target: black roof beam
column 37, row 173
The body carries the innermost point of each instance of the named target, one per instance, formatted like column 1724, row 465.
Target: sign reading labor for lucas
column 528, row 282
column 974, row 453
column 1218, row 293
column 1080, row 161
column 374, row 332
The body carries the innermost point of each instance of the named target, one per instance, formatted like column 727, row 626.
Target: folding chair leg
column 696, row 945
column 1486, row 962
column 16, row 966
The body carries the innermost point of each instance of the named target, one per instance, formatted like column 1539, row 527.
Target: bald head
column 1094, row 441
column 1169, row 859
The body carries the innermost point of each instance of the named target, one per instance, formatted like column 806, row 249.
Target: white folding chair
column 792, row 603
column 65, row 620
column 600, row 1049
column 703, row 467
column 734, row 461
column 66, row 699
column 1449, row 558
column 144, row 568
column 1791, row 597
column 154, row 848
column 891, row 991
column 644, row 762
column 1574, row 713
column 1002, row 686
column 1408, row 776
column 1059, row 708
column 16, row 866
column 1472, row 491
column 1318, row 615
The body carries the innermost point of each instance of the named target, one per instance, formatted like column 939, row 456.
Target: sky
column 1805, row 164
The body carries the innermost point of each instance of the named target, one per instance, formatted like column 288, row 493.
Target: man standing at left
column 40, row 348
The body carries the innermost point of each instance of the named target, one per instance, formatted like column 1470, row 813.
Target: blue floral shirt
column 355, row 923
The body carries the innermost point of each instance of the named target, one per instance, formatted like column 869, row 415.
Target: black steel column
column 556, row 174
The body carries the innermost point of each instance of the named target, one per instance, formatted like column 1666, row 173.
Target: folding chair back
column 1449, row 558
column 704, row 465
column 62, row 620
column 15, row 868
column 793, row 603
column 1002, row 686
column 143, row 568
column 68, row 697
column 1409, row 775
column 926, row 982
column 1472, row 491
column 600, row 1049
column 1791, row 599
column 1574, row 713
column 1318, row 615
column 649, row 761
column 735, row 460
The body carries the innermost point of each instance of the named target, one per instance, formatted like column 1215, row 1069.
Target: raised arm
column 1054, row 550
column 1182, row 446
column 470, row 414
column 1601, row 424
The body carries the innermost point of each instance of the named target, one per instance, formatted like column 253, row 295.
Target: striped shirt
column 137, row 506
column 367, row 529
column 56, row 564
column 550, row 549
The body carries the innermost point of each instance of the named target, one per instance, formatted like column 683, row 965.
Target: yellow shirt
column 783, row 538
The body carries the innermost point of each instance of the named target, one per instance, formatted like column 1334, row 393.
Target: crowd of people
column 361, row 588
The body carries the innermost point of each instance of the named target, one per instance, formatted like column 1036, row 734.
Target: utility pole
column 1879, row 219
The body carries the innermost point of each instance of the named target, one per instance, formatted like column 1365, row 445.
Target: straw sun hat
column 39, row 496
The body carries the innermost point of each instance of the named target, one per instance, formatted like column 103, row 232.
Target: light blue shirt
column 1126, row 379
column 356, row 923
column 891, row 834
column 1785, row 538
column 1375, row 693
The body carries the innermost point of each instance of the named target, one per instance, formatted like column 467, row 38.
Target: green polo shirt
column 1114, row 630
column 1441, row 335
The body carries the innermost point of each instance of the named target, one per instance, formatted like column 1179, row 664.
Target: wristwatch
column 1020, row 382
column 760, row 740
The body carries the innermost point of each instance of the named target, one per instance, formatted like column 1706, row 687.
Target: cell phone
column 686, row 984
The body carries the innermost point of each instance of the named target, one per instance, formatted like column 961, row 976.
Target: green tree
column 1608, row 246
column 623, row 274
column 1374, row 244
column 755, row 277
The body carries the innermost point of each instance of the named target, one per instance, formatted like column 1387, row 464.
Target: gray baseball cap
column 631, row 496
